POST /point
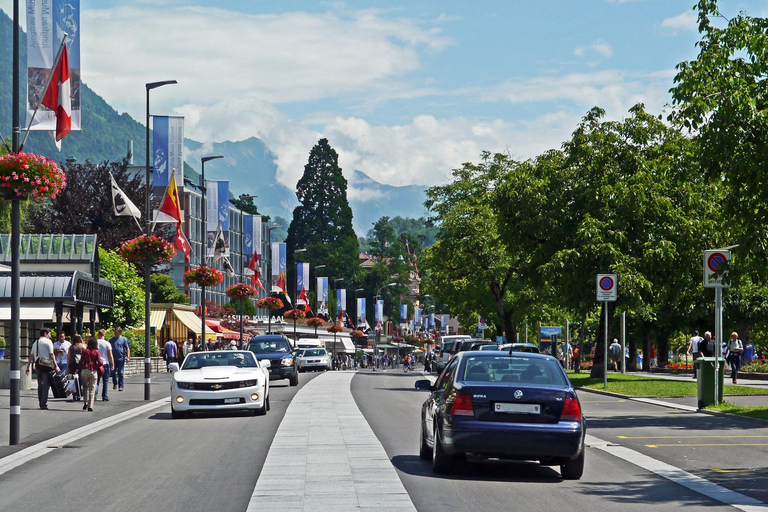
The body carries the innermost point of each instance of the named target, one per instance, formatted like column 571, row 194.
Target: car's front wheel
column 573, row 469
column 441, row 462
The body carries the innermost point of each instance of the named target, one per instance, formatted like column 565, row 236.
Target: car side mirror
column 424, row 384
column 173, row 367
column 265, row 363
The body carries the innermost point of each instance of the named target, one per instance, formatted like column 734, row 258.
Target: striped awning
column 157, row 318
column 190, row 320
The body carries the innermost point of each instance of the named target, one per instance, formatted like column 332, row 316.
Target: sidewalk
column 326, row 449
column 65, row 415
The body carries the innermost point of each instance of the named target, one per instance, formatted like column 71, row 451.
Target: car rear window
column 269, row 346
column 518, row 370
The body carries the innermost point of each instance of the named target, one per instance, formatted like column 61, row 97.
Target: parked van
column 448, row 348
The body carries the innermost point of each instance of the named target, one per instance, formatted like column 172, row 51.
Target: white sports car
column 220, row 381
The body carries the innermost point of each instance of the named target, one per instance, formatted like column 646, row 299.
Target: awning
column 157, row 318
column 345, row 342
column 229, row 334
column 190, row 320
column 30, row 313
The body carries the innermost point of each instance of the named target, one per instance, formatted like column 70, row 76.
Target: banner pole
column 605, row 347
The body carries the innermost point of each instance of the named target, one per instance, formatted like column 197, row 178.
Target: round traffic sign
column 606, row 283
column 715, row 260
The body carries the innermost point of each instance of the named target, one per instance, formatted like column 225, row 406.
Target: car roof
column 534, row 355
column 263, row 337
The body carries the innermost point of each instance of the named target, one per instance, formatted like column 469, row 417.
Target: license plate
column 517, row 408
column 231, row 400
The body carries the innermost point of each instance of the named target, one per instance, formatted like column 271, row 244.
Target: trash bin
column 705, row 369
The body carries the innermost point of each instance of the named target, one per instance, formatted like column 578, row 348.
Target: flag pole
column 45, row 89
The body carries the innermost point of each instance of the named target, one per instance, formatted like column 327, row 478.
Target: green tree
column 244, row 202
column 128, row 288
column 165, row 291
column 322, row 223
column 241, row 306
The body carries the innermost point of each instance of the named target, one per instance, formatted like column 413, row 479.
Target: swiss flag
column 303, row 296
column 57, row 97
column 181, row 243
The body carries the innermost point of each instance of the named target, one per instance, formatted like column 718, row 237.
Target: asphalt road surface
column 392, row 408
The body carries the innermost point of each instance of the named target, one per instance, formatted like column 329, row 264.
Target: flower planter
column 203, row 276
column 241, row 291
column 30, row 176
column 145, row 248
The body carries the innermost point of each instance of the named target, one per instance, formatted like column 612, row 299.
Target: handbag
column 43, row 362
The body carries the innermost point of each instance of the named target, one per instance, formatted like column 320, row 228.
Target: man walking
column 61, row 350
column 693, row 349
column 105, row 350
column 170, row 353
column 121, row 353
column 614, row 351
column 42, row 355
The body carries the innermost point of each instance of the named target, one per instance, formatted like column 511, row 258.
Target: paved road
column 392, row 407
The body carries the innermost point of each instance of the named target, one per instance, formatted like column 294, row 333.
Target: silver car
column 314, row 359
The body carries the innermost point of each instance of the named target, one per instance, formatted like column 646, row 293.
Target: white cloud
column 598, row 48
column 685, row 22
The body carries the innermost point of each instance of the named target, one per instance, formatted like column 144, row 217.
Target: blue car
column 502, row 405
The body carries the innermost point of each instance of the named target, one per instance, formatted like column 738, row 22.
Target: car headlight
column 287, row 361
column 185, row 385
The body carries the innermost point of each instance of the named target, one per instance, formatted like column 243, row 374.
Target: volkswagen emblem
column 518, row 394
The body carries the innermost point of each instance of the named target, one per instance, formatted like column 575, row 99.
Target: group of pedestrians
column 733, row 351
column 88, row 364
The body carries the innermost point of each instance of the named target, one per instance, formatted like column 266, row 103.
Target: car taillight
column 462, row 406
column 571, row 410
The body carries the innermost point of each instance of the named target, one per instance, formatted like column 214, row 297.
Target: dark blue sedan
column 503, row 405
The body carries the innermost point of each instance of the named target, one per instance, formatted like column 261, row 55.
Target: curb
column 673, row 406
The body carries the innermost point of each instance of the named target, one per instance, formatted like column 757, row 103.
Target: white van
column 448, row 348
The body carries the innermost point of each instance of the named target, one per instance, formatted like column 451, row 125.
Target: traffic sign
column 716, row 262
column 606, row 287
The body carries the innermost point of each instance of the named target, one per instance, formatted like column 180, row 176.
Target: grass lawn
column 741, row 410
column 638, row 385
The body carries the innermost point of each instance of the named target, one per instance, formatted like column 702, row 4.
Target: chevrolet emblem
column 216, row 386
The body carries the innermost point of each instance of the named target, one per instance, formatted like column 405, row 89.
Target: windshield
column 314, row 352
column 270, row 346
column 520, row 370
column 202, row 359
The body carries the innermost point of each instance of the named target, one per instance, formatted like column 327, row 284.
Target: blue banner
column 417, row 315
column 167, row 150
column 361, row 311
column 322, row 295
column 341, row 300
column 445, row 324
column 248, row 236
column 431, row 320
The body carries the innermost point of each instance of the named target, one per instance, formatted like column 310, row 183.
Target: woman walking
column 73, row 363
column 735, row 349
column 90, row 368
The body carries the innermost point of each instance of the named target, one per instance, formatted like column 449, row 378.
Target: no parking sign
column 716, row 263
column 606, row 287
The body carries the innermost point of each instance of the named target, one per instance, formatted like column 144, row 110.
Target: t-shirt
column 43, row 347
column 104, row 349
column 61, row 359
column 694, row 341
column 170, row 349
column 749, row 351
column 120, row 347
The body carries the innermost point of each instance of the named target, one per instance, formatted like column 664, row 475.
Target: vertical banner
column 379, row 314
column 278, row 267
column 167, row 150
column 445, row 324
column 302, row 283
column 217, row 204
column 47, row 21
column 341, row 300
column 248, row 247
column 361, row 312
column 431, row 320
column 417, row 315
column 256, row 235
column 413, row 326
column 403, row 312
column 322, row 295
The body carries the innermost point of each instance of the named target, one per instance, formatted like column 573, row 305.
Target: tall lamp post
column 242, row 257
column 147, row 266
column 204, row 190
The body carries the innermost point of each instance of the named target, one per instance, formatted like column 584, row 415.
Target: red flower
column 316, row 322
column 143, row 248
column 203, row 276
column 270, row 303
column 241, row 291
column 22, row 172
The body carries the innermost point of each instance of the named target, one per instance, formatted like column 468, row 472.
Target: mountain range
column 249, row 164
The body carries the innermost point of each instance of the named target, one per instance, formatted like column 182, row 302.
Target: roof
column 70, row 288
column 51, row 248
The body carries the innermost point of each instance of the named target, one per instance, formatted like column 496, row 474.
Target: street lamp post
column 204, row 190
column 339, row 307
column 242, row 259
column 147, row 266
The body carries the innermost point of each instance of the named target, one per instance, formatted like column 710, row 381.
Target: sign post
column 606, row 292
column 717, row 275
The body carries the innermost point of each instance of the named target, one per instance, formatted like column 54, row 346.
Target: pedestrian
column 707, row 346
column 735, row 350
column 121, row 354
column 108, row 361
column 73, row 363
column 693, row 349
column 91, row 369
column 614, row 351
column 170, row 354
column 61, row 350
column 188, row 346
column 575, row 359
column 749, row 352
column 42, row 356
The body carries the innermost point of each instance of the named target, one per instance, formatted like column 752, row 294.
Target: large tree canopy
column 322, row 223
column 128, row 310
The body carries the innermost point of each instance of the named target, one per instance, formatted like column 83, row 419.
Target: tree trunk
column 662, row 353
column 646, row 349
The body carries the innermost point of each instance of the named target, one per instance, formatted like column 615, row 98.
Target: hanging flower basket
column 316, row 322
column 30, row 176
column 270, row 303
column 241, row 291
column 334, row 328
column 398, row 339
column 294, row 313
column 357, row 333
column 147, row 248
column 203, row 276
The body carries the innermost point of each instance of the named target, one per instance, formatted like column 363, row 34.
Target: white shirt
column 43, row 347
column 694, row 341
column 61, row 359
column 104, row 349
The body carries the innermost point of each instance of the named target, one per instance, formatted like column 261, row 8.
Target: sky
column 405, row 91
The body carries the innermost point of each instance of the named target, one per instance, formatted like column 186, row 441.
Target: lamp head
column 209, row 158
column 155, row 85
